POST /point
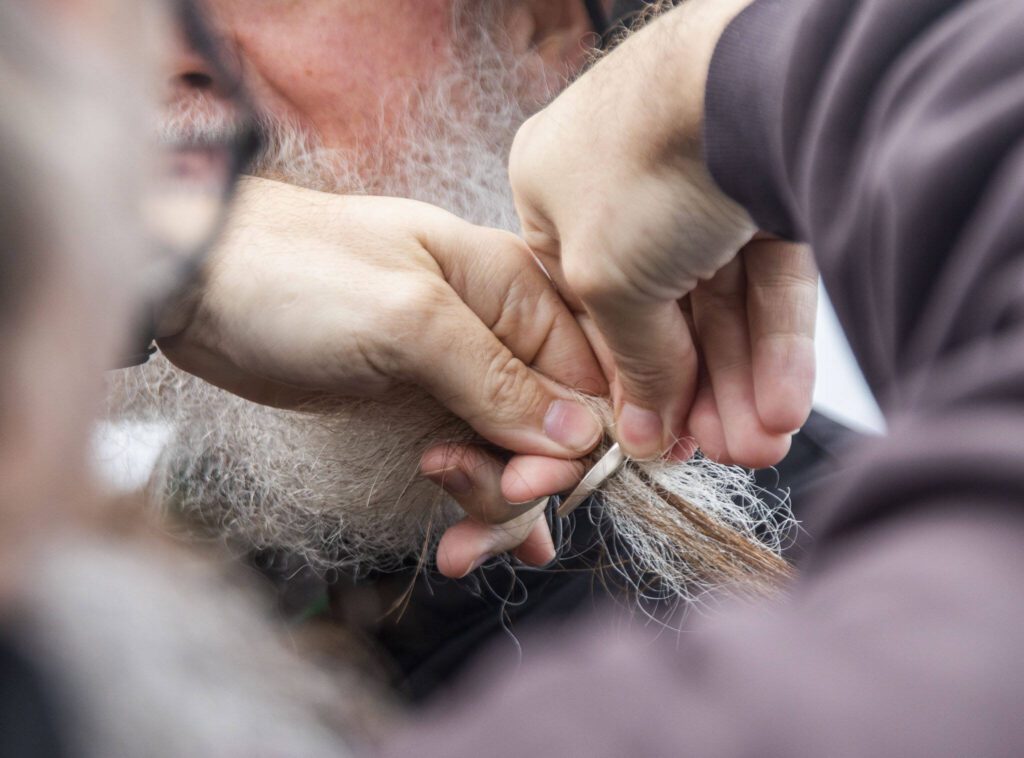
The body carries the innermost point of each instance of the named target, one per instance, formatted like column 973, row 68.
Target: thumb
column 655, row 363
column 471, row 372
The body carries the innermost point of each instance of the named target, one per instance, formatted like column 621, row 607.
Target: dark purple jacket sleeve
column 890, row 135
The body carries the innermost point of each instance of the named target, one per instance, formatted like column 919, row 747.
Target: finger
column 456, row 358
column 782, row 301
column 471, row 473
column 497, row 276
column 705, row 424
column 469, row 544
column 529, row 477
column 720, row 316
column 686, row 447
column 655, row 369
column 548, row 256
column 536, row 220
column 538, row 549
column 473, row 478
column 604, row 356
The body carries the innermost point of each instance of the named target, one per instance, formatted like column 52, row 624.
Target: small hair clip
column 609, row 465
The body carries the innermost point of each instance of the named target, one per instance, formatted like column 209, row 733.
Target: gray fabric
column 891, row 136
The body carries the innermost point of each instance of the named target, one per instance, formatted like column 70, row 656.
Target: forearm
column 650, row 69
column 636, row 92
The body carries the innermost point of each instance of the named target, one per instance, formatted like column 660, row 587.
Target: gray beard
column 339, row 489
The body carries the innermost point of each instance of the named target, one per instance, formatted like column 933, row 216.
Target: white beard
column 340, row 489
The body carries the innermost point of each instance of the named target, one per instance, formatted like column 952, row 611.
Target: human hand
column 616, row 201
column 313, row 294
column 754, row 320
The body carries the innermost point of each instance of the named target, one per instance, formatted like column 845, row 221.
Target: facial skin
column 346, row 69
column 325, row 63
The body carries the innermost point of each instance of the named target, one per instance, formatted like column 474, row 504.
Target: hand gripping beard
column 339, row 486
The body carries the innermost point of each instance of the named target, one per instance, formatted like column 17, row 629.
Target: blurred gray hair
column 68, row 177
column 25, row 69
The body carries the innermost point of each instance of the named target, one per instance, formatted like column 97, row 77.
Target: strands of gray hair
column 450, row 149
column 341, row 488
column 337, row 488
column 680, row 529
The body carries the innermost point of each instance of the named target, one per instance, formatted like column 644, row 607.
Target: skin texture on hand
column 707, row 335
column 311, row 294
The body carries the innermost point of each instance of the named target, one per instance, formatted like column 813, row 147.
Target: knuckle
column 511, row 319
column 415, row 298
column 591, row 283
column 524, row 139
column 783, row 308
column 508, row 390
column 729, row 365
column 646, row 379
column 786, row 279
column 412, row 316
column 519, row 292
column 719, row 302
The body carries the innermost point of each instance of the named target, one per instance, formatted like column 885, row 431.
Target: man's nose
column 205, row 66
column 191, row 73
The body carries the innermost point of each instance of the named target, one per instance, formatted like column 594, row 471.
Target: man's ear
column 558, row 32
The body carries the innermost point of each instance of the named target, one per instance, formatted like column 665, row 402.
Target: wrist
column 687, row 38
column 178, row 311
column 665, row 69
column 252, row 202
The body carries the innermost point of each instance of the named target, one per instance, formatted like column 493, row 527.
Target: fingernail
column 640, row 431
column 572, row 426
column 478, row 563
column 527, row 505
column 553, row 553
column 451, row 480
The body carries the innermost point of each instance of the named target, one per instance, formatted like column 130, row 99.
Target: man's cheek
column 328, row 66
